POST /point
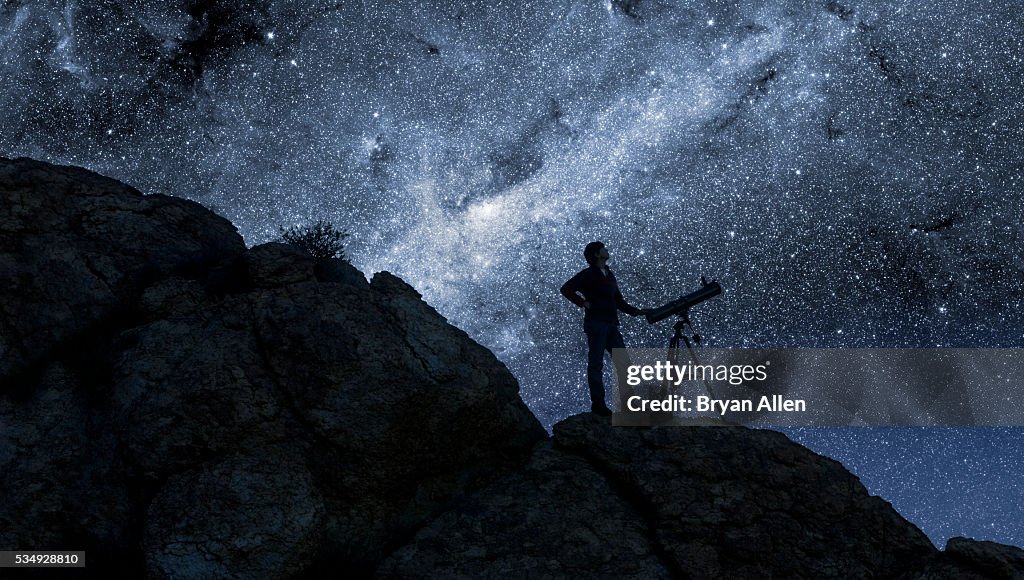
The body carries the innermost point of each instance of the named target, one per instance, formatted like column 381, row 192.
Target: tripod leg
column 696, row 362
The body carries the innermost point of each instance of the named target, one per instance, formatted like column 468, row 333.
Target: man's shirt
column 601, row 291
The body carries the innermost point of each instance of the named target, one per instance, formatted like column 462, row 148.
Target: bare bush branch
column 322, row 240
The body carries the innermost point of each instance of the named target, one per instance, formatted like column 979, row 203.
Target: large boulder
column 76, row 248
column 967, row 559
column 686, row 502
column 558, row 517
column 184, row 406
column 738, row 502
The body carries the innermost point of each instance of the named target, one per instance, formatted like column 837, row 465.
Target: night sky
column 850, row 172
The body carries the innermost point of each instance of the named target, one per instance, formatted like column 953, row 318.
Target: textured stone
column 152, row 363
column 76, row 248
column 276, row 264
column 983, row 559
column 246, row 516
column 61, row 477
column 738, row 502
column 180, row 406
column 557, row 517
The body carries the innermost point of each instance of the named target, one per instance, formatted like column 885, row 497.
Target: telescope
column 684, row 303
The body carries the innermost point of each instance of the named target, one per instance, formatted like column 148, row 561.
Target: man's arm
column 571, row 288
column 626, row 306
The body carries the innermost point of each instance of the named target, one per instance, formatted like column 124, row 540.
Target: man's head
column 595, row 253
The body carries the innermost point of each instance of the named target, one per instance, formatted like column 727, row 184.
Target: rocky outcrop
column 696, row 502
column 76, row 249
column 176, row 403
column 966, row 559
column 683, row 502
column 180, row 406
column 557, row 517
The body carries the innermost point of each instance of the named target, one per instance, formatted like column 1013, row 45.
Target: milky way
column 850, row 172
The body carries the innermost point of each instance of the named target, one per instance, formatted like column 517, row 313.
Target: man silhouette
column 601, row 301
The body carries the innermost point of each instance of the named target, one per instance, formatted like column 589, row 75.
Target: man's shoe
column 601, row 410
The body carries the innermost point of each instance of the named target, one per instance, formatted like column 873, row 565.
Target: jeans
column 601, row 337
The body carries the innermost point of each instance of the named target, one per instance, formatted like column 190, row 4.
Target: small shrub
column 322, row 240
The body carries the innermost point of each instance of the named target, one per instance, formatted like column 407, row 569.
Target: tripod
column 673, row 346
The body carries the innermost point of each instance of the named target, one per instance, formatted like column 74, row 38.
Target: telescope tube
column 684, row 303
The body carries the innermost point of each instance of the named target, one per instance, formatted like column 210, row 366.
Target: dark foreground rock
column 180, row 406
column 689, row 502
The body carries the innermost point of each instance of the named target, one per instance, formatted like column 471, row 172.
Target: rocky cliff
column 178, row 405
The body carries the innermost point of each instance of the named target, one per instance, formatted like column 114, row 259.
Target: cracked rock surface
column 175, row 403
column 688, row 502
column 178, row 405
